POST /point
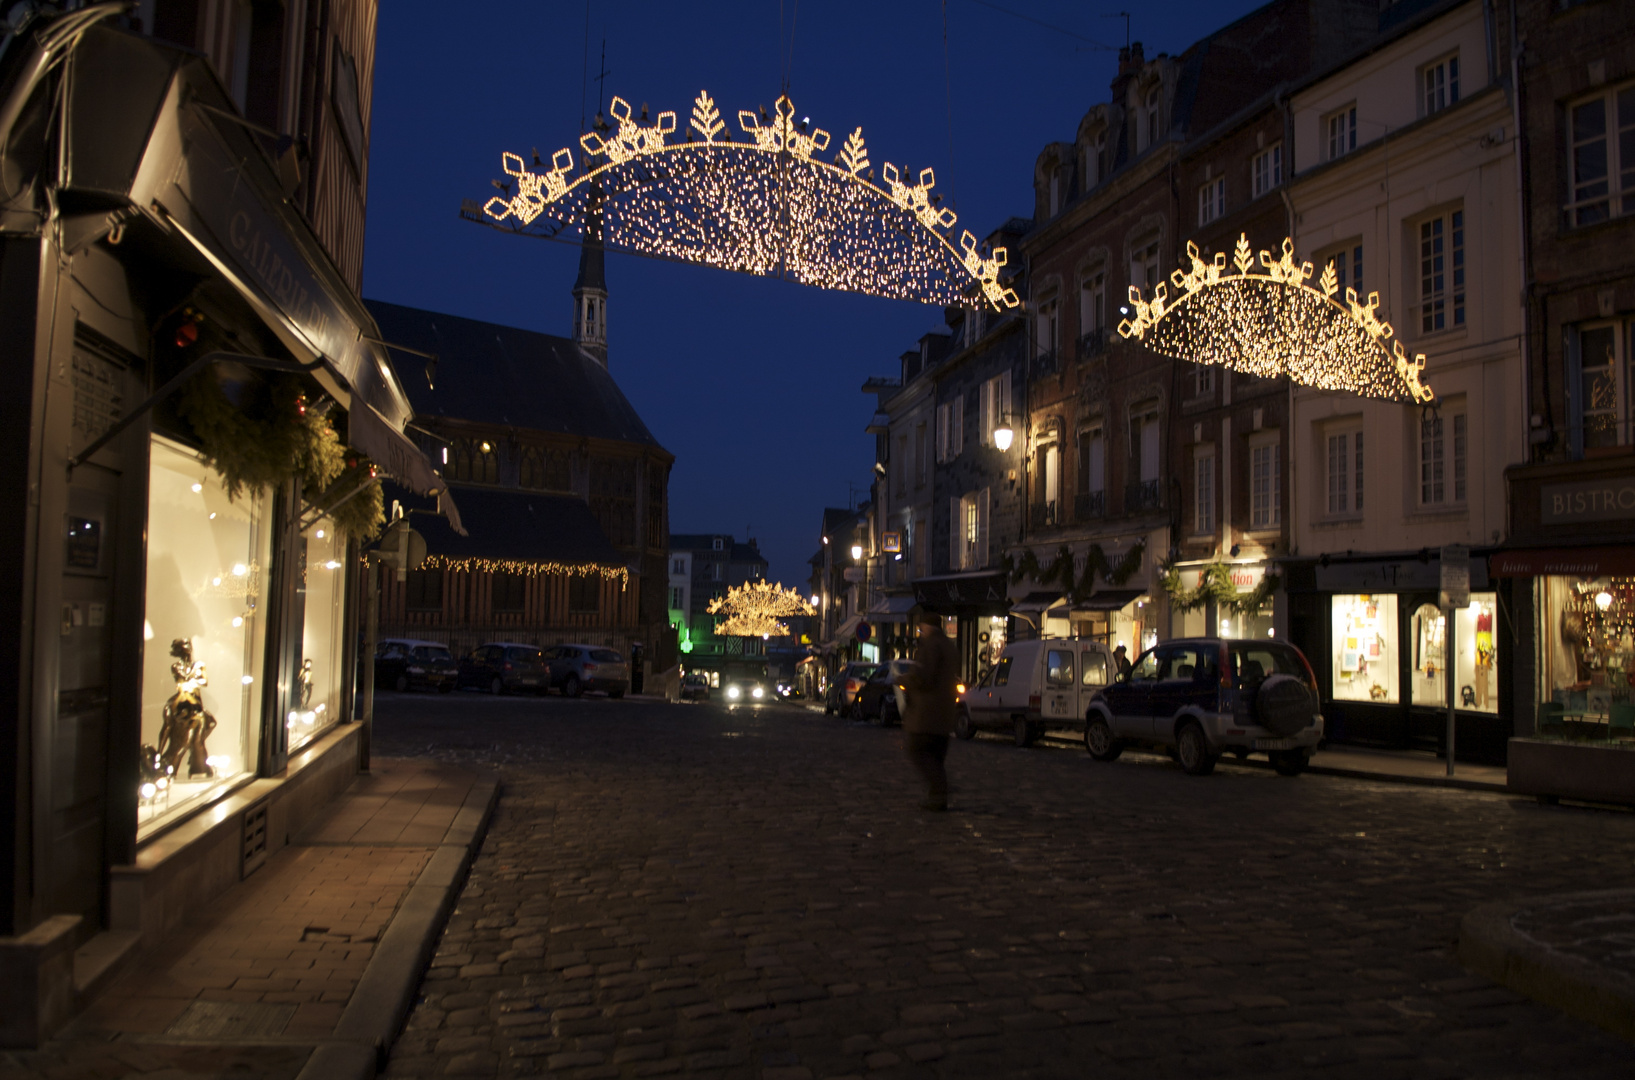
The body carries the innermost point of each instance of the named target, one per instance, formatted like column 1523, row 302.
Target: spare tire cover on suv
column 1284, row 705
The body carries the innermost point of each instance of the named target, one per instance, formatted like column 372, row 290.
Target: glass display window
column 1586, row 641
column 203, row 635
column 1475, row 659
column 317, row 701
column 1365, row 648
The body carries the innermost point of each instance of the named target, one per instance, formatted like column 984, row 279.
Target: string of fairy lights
column 527, row 568
column 1274, row 323
column 755, row 608
column 767, row 205
column 1604, row 613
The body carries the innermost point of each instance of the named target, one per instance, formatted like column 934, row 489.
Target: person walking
column 932, row 703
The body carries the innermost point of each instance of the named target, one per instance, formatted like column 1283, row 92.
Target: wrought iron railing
column 1088, row 505
column 1045, row 362
column 1092, row 344
column 1043, row 515
column 1144, row 495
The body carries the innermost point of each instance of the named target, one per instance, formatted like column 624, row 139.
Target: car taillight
column 1311, row 677
column 590, row 667
column 506, row 666
column 1033, row 701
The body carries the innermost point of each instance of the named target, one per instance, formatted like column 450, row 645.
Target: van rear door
column 1095, row 671
column 1059, row 696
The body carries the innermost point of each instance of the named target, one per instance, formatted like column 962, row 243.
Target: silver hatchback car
column 577, row 668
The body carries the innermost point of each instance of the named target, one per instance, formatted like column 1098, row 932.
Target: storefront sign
column 1455, row 583
column 1609, row 499
column 1396, row 575
column 1566, row 562
column 1245, row 576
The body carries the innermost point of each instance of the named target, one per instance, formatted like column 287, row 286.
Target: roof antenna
column 1125, row 15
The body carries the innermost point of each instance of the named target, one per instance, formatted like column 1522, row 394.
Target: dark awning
column 1036, row 601
column 1566, row 561
column 960, row 594
column 1110, row 600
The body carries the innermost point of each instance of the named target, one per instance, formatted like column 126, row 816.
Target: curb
column 385, row 994
column 1397, row 778
column 1490, row 944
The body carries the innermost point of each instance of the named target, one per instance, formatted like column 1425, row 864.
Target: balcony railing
column 1043, row 515
column 1045, row 362
column 1088, row 505
column 1144, row 495
column 1092, row 344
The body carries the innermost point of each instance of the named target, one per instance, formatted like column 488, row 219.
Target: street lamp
column 857, row 551
column 1002, row 435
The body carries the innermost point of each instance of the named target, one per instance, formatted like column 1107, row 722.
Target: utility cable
column 948, row 88
column 1047, row 26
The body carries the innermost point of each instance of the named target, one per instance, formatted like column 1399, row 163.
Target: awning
column 956, row 593
column 1110, row 600
column 1035, row 602
column 846, row 629
column 400, row 458
column 1575, row 562
column 893, row 608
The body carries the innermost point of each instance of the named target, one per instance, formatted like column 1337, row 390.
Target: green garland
column 1215, row 583
column 269, row 437
column 1060, row 569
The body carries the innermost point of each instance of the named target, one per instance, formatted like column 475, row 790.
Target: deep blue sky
column 751, row 383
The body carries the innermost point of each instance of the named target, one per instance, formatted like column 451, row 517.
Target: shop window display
column 1587, row 661
column 1365, row 648
column 203, row 635
column 318, row 697
column 1474, row 657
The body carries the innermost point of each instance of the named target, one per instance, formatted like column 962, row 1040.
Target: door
column 1185, row 672
column 1060, row 698
column 988, row 703
column 1093, row 677
column 1129, row 701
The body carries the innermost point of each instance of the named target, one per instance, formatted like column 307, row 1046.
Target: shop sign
column 1245, row 576
column 1608, row 499
column 1455, row 578
column 1397, row 575
column 983, row 589
column 1564, row 562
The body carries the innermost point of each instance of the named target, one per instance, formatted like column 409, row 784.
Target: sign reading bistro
column 1608, row 499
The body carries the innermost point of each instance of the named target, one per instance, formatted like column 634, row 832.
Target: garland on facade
column 526, row 568
column 1215, row 583
column 270, row 436
column 1059, row 571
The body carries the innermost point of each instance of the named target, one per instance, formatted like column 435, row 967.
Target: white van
column 1036, row 684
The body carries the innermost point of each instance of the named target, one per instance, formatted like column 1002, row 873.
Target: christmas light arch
column 753, row 609
column 764, row 204
column 1274, row 323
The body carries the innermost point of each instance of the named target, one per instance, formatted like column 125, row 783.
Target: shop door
column 80, row 731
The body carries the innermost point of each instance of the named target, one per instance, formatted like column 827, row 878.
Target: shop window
column 1365, row 649
column 585, row 593
column 1474, row 657
column 1442, row 272
column 203, row 633
column 1586, row 657
column 1602, row 156
column 1603, row 385
column 317, row 702
column 423, row 591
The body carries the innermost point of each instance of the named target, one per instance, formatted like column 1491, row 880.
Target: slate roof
column 492, row 374
column 511, row 524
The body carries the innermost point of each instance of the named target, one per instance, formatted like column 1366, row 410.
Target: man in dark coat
column 932, row 706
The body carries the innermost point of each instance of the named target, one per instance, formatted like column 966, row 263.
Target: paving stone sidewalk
column 681, row 890
column 252, row 989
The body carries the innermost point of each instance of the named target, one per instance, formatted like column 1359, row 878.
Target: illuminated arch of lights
column 763, row 204
column 753, row 609
column 1275, row 323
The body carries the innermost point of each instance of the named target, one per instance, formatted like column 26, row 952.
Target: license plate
column 528, row 680
column 1275, row 744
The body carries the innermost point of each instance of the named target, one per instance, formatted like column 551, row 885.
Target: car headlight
column 757, row 692
column 732, row 691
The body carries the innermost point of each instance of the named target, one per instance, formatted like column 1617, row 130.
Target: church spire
column 590, row 288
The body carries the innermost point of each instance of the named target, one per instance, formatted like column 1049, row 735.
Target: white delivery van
column 1034, row 685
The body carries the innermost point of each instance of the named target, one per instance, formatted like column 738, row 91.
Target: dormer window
column 1095, row 160
column 1056, row 186
column 1152, row 116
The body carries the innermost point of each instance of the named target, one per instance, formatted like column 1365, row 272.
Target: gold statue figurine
column 187, row 724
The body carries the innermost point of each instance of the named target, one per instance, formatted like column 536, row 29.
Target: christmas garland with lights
column 523, row 568
column 1059, row 571
column 270, row 436
column 1215, row 583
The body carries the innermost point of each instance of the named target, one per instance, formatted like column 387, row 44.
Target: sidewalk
column 1406, row 767
column 321, row 949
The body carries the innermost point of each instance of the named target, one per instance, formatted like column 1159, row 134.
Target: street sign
column 853, row 573
column 1455, row 577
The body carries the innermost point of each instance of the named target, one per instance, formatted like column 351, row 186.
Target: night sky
column 752, row 383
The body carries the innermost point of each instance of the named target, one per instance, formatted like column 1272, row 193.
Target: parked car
column 577, row 668
column 695, row 687
column 406, row 664
column 504, row 667
column 1200, row 697
column 1036, row 684
column 844, row 686
column 878, row 700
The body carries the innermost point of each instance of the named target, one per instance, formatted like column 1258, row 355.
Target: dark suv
column 1199, row 697
column 405, row 664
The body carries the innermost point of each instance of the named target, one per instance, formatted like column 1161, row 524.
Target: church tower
column 590, row 289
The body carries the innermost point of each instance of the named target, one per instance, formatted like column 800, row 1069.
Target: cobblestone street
column 684, row 890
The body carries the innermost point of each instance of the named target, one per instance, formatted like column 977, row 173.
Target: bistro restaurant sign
column 1607, row 499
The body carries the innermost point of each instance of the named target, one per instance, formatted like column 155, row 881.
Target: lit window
column 1442, row 272
column 1602, row 390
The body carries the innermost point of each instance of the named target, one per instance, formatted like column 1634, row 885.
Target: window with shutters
column 994, row 405
column 969, row 548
